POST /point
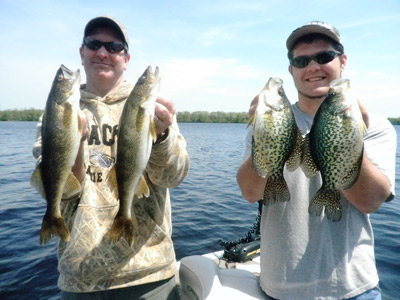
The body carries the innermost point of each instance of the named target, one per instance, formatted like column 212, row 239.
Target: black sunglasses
column 321, row 58
column 112, row 47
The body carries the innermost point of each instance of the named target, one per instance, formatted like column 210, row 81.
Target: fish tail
column 276, row 190
column 122, row 226
column 53, row 226
column 330, row 199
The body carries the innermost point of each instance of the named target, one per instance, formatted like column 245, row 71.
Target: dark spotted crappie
column 276, row 140
column 334, row 146
column 61, row 135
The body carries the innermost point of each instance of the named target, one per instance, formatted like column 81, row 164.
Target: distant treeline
column 394, row 121
column 183, row 117
column 212, row 117
column 21, row 115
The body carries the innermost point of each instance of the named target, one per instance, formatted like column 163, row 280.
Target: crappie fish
column 334, row 146
column 136, row 135
column 276, row 140
column 61, row 135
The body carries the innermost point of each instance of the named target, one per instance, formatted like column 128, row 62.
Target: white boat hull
column 212, row 277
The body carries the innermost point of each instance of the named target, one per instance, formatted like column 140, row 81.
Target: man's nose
column 313, row 65
column 102, row 51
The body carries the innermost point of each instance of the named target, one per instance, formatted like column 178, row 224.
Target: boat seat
column 201, row 278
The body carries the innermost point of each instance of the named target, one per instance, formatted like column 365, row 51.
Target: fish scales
column 335, row 148
column 136, row 135
column 61, row 135
column 276, row 140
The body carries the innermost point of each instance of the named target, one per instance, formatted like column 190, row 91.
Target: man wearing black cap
column 310, row 257
column 90, row 265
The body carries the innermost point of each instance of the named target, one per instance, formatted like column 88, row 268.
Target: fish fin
column 140, row 117
column 352, row 176
column 53, row 225
column 276, row 190
column 252, row 120
column 142, row 188
column 80, row 127
column 308, row 165
column 72, row 187
column 330, row 199
column 294, row 160
column 36, row 181
column 258, row 162
column 122, row 226
column 112, row 179
column 152, row 130
column 363, row 127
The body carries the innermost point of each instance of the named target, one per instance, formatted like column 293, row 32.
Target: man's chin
column 316, row 94
column 103, row 74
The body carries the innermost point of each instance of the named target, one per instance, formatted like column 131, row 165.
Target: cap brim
column 309, row 29
column 105, row 21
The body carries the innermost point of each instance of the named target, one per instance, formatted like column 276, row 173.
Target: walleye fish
column 334, row 146
column 276, row 140
column 136, row 135
column 61, row 135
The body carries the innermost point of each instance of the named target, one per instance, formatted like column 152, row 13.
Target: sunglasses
column 321, row 58
column 112, row 47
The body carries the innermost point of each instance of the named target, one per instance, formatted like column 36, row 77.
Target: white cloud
column 204, row 73
column 210, row 84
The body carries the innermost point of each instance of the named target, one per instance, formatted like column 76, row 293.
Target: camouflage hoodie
column 89, row 261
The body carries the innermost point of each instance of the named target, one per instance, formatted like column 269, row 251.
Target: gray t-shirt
column 309, row 257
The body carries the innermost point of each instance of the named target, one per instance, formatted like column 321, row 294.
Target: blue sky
column 213, row 55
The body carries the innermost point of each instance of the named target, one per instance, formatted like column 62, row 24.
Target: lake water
column 206, row 208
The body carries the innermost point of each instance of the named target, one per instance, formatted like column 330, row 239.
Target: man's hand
column 84, row 130
column 164, row 113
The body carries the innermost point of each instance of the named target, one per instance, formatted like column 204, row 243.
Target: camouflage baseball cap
column 313, row 27
column 107, row 21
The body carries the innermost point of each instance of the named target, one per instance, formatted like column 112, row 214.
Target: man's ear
column 343, row 61
column 290, row 69
column 81, row 53
column 127, row 59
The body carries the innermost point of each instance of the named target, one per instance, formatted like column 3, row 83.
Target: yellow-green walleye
column 136, row 135
column 61, row 135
